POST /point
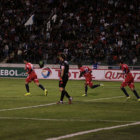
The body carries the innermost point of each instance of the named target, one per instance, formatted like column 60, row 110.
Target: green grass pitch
column 103, row 107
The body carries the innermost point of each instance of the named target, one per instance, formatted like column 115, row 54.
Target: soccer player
column 31, row 77
column 129, row 80
column 87, row 73
column 64, row 71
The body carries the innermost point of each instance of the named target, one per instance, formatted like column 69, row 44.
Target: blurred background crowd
column 87, row 31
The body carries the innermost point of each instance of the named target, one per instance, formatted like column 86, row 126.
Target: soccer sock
column 125, row 92
column 136, row 94
column 94, row 86
column 41, row 87
column 86, row 89
column 62, row 95
column 27, row 87
column 66, row 93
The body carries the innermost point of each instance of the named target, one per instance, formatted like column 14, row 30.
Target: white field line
column 36, row 106
column 93, row 131
column 112, row 87
column 26, row 107
column 116, row 97
column 63, row 120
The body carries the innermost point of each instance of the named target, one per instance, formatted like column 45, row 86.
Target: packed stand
column 103, row 30
column 16, row 39
column 98, row 30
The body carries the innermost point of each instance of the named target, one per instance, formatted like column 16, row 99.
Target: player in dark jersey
column 64, row 76
column 32, row 77
column 128, row 81
column 87, row 73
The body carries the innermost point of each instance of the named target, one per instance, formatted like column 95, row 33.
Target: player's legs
column 39, row 85
column 36, row 81
column 89, row 82
column 27, row 86
column 62, row 85
column 27, row 81
column 95, row 86
column 62, row 95
column 132, row 87
column 136, row 94
column 86, row 89
column 124, row 84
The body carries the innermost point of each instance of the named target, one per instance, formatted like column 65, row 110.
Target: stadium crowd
column 101, row 30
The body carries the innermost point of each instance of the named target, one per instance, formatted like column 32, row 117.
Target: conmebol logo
column 46, row 72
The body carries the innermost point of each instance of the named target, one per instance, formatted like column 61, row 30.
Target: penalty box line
column 93, row 131
column 36, row 106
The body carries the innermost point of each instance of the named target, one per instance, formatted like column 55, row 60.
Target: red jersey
column 86, row 71
column 29, row 68
column 129, row 80
column 125, row 68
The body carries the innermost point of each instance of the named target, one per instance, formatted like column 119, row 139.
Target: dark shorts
column 63, row 82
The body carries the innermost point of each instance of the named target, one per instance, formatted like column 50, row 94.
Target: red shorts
column 129, row 80
column 32, row 77
column 89, row 81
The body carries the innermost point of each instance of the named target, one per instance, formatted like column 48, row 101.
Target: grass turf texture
column 85, row 113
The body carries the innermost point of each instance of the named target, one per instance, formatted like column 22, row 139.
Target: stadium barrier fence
column 53, row 72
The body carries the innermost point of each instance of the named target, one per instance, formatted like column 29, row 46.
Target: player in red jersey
column 31, row 77
column 87, row 73
column 128, row 81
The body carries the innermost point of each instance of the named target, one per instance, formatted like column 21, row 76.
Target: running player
column 87, row 73
column 128, row 81
column 64, row 71
column 31, row 77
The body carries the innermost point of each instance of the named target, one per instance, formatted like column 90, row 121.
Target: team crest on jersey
column 46, row 72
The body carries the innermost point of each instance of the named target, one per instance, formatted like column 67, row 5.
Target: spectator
column 6, row 50
column 95, row 65
column 101, row 30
